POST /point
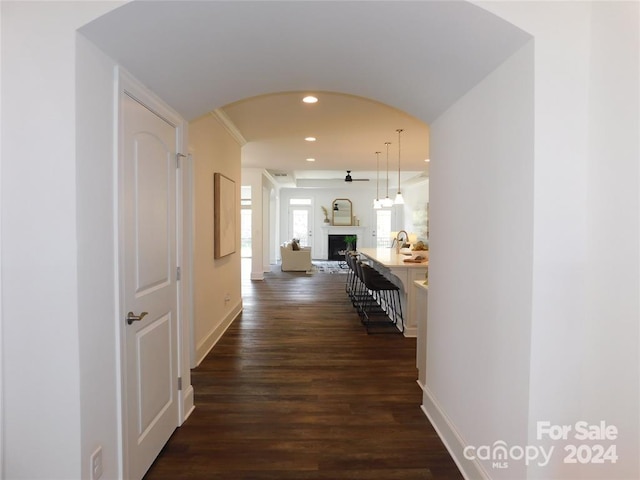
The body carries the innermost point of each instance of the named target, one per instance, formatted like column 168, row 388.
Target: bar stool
column 350, row 284
column 354, row 286
column 379, row 302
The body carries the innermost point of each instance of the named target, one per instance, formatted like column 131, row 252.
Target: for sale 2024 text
column 582, row 431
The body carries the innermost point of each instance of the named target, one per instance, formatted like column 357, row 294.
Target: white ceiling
column 348, row 131
column 376, row 66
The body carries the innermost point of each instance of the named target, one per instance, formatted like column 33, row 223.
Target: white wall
column 213, row 150
column 96, row 217
column 481, row 206
column 584, row 328
column 611, row 327
column 416, row 197
column 362, row 204
column 586, row 282
column 44, row 382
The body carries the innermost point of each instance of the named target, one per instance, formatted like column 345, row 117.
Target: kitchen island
column 402, row 274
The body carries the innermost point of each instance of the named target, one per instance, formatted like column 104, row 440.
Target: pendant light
column 387, row 202
column 376, row 203
column 399, row 200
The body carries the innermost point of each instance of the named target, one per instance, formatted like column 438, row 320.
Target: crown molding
column 228, row 124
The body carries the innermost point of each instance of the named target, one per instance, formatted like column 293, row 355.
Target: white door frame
column 1, row 379
column 126, row 84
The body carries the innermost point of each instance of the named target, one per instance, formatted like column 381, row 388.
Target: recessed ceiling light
column 310, row 99
column 310, row 139
column 311, row 159
column 426, row 160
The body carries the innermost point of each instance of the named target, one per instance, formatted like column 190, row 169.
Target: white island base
column 402, row 274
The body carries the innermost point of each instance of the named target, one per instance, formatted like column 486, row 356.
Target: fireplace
column 338, row 247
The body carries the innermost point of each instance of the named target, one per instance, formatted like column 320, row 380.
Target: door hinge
column 180, row 383
column 178, row 274
column 178, row 155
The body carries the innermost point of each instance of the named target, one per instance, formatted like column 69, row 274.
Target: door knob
column 135, row 318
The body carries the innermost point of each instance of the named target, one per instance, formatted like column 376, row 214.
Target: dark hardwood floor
column 296, row 389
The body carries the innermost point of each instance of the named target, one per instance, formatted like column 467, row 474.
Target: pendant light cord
column 399, row 132
column 377, row 175
column 387, row 144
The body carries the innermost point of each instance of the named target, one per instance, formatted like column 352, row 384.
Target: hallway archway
column 430, row 57
column 419, row 57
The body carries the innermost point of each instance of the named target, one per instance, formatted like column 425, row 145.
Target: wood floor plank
column 296, row 389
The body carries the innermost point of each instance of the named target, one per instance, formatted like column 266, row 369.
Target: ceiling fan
column 349, row 178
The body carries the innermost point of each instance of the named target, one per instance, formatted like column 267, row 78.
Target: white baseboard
column 188, row 404
column 411, row 332
column 452, row 440
column 257, row 275
column 203, row 349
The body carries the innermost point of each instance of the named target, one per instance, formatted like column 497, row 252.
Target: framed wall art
column 224, row 216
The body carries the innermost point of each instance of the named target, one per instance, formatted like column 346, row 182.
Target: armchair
column 295, row 260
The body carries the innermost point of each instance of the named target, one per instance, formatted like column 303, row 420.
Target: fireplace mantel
column 337, row 230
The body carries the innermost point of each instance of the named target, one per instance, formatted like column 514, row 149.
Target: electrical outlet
column 96, row 464
column 227, row 297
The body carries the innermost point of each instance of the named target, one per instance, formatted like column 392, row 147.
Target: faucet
column 396, row 240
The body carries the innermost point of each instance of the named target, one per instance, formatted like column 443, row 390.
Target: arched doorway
column 95, row 332
column 277, row 51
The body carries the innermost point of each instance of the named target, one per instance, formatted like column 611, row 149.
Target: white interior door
column 149, row 285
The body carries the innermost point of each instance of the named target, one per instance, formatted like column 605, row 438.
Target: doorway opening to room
column 245, row 222
column 245, row 232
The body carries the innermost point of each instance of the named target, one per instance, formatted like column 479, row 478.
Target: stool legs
column 377, row 299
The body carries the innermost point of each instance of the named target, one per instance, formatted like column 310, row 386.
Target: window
column 300, row 201
column 383, row 228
